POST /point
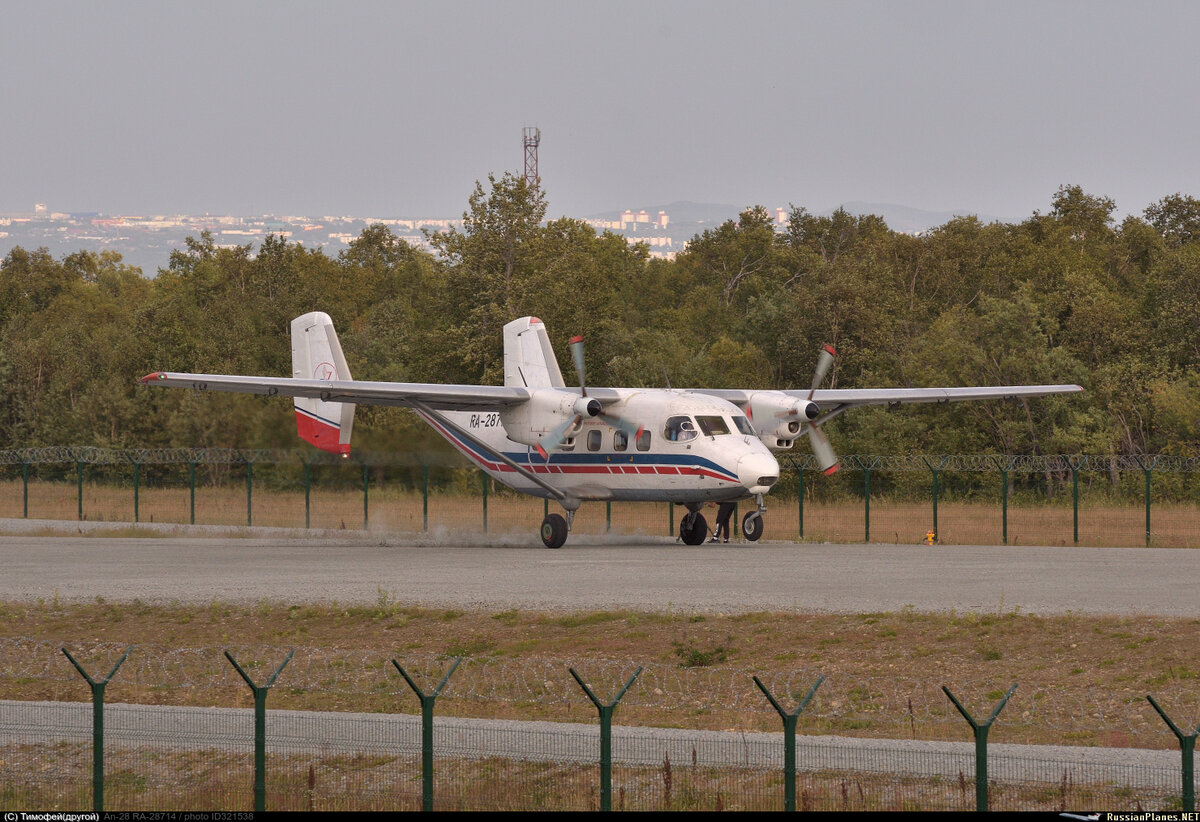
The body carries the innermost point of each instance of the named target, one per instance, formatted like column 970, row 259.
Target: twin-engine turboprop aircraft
column 573, row 445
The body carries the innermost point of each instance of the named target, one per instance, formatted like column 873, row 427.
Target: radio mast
column 533, row 136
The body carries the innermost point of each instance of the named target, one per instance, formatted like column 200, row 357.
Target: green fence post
column 191, row 493
column 606, row 715
column 935, row 472
column 307, row 495
column 1004, row 503
column 79, row 481
column 97, row 726
column 427, row 702
column 366, row 485
column 866, row 469
column 1004, row 468
column 670, row 519
column 1074, row 466
column 866, row 505
column 260, row 727
column 136, row 482
column 249, row 490
column 789, row 739
column 800, row 499
column 980, row 730
column 484, row 477
column 424, row 497
column 1147, row 471
column 1187, row 748
column 25, row 489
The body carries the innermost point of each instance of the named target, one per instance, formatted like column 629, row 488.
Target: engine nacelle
column 546, row 410
column 779, row 419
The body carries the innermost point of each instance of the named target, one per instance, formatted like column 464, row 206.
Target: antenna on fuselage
column 666, row 378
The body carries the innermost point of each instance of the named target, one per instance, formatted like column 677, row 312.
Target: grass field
column 1081, row 680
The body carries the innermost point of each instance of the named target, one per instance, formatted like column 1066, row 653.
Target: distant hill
column 910, row 220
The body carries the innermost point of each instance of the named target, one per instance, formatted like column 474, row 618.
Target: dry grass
column 213, row 781
column 1082, row 680
column 1175, row 525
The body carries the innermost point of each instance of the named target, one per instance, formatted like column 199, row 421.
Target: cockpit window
column 743, row 425
column 680, row 429
column 712, row 426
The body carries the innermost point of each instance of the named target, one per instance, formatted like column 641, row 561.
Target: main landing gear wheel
column 693, row 530
column 752, row 526
column 554, row 531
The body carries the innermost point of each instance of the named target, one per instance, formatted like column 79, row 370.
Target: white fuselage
column 692, row 448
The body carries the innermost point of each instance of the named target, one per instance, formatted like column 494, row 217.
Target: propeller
column 629, row 429
column 555, row 438
column 826, row 459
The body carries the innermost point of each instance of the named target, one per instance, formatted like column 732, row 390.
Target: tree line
column 1065, row 296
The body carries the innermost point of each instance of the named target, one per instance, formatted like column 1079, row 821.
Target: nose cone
column 758, row 472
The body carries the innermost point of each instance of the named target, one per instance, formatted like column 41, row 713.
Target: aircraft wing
column 843, row 398
column 850, row 397
column 357, row 392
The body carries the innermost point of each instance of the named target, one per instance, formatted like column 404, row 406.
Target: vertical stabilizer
column 528, row 358
column 317, row 355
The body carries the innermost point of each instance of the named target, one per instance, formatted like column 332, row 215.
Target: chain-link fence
column 961, row 499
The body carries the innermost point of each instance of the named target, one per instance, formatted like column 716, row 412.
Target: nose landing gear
column 752, row 523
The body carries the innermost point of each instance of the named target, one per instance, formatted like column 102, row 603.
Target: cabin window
column 743, row 425
column 620, row 440
column 594, row 439
column 643, row 441
column 712, row 426
column 679, row 429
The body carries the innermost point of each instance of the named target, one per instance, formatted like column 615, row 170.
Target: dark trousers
column 724, row 512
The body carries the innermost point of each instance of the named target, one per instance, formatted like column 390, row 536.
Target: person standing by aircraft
column 724, row 512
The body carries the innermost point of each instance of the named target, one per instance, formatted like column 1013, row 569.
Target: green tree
column 1177, row 218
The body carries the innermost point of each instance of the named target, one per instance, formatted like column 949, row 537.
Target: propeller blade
column 555, row 438
column 577, row 355
column 626, row 427
column 630, row 429
column 823, row 363
column 826, row 459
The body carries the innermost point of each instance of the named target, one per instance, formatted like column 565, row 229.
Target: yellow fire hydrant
column 930, row 537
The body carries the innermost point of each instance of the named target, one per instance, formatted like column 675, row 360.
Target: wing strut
column 478, row 443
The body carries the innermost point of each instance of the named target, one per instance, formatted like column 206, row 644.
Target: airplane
column 581, row 444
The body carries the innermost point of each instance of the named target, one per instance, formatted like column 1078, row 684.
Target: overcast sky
column 397, row 108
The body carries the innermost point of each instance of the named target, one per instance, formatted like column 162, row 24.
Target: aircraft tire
column 693, row 530
column 554, row 531
column 752, row 526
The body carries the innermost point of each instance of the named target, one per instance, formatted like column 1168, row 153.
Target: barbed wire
column 842, row 701
column 1037, row 463
column 89, row 455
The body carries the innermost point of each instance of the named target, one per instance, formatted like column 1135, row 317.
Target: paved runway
column 514, row 571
